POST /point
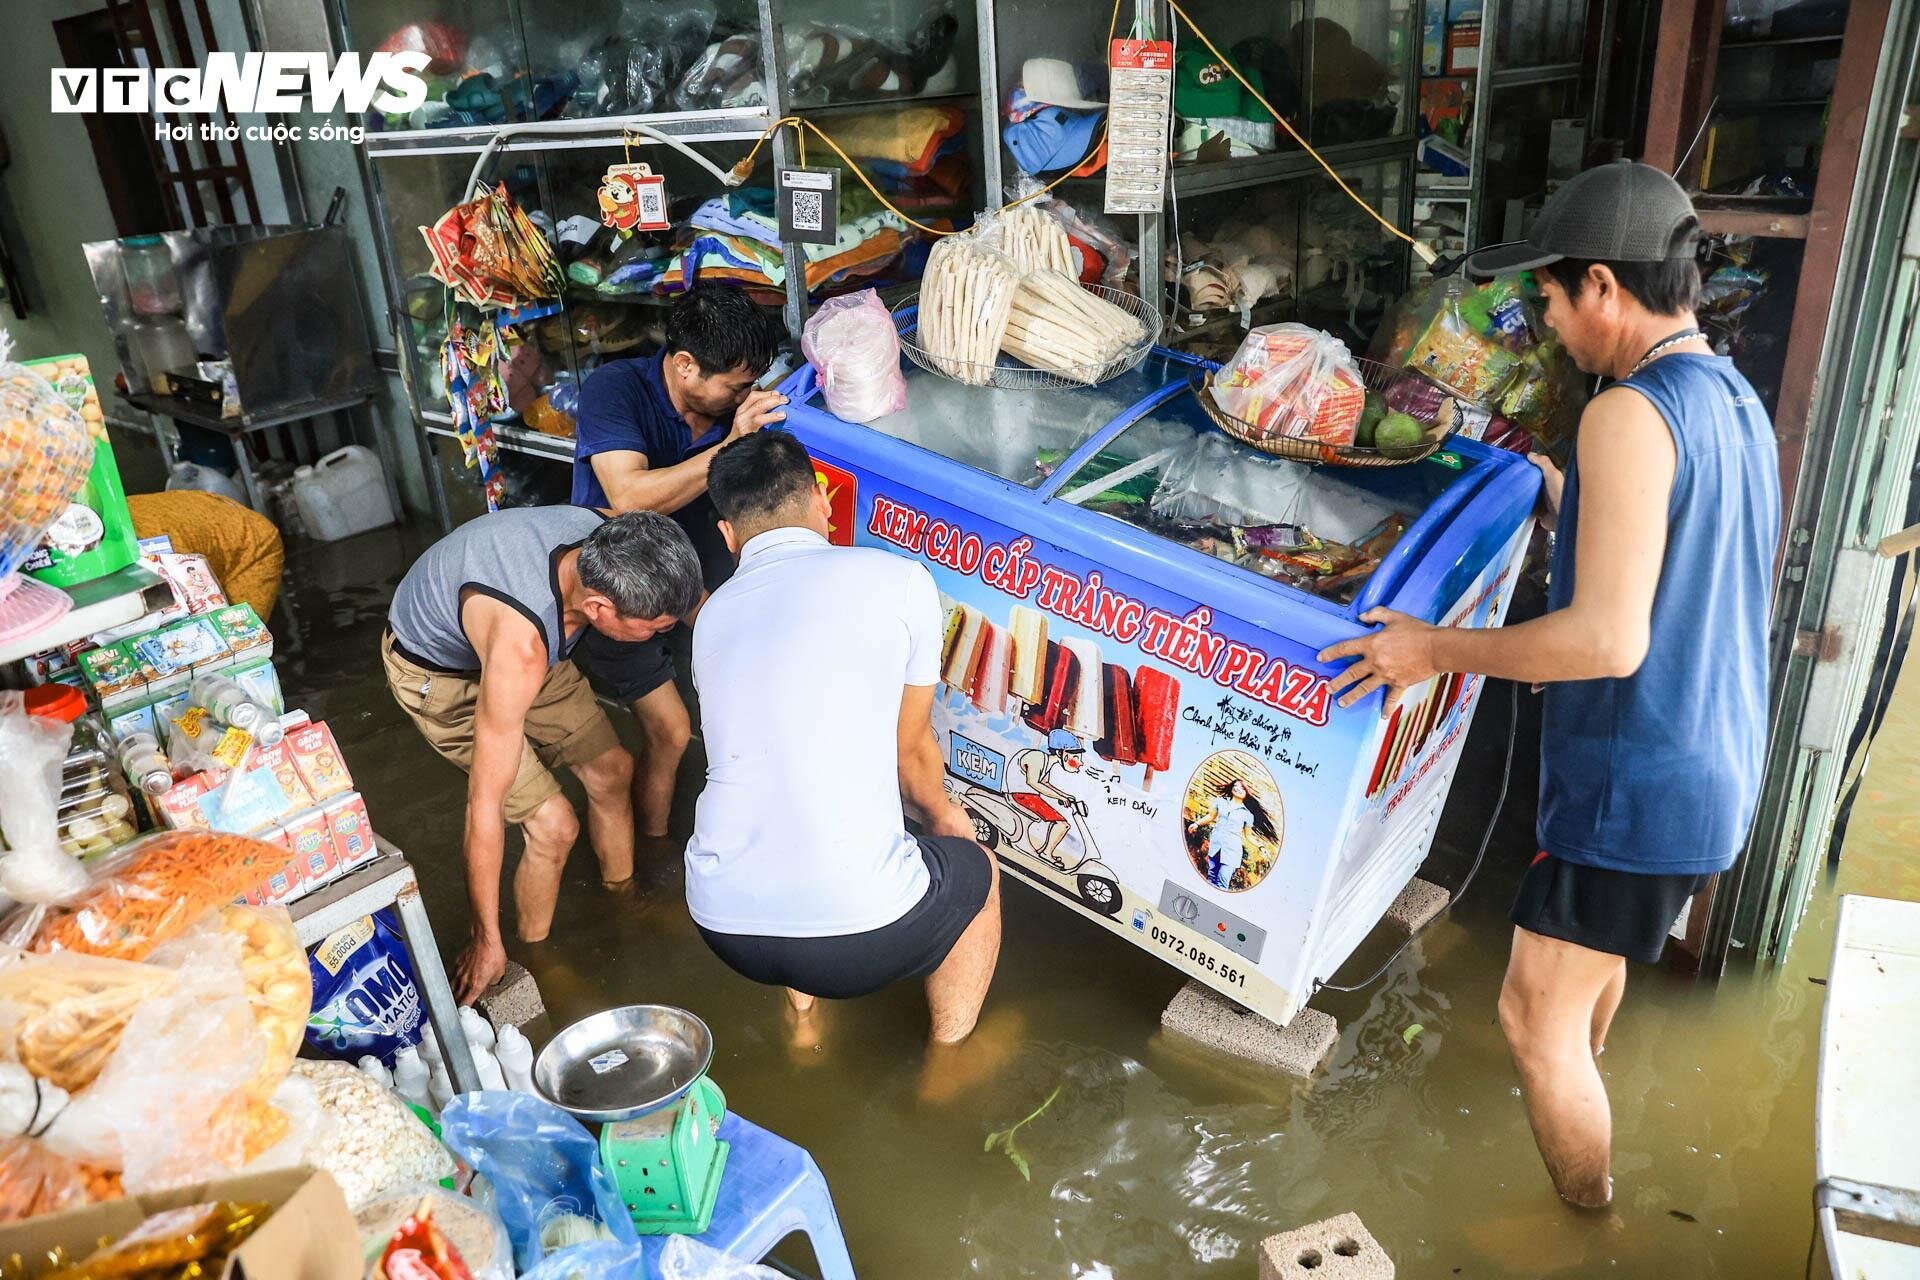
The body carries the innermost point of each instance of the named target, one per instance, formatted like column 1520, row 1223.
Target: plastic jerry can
column 94, row 535
column 343, row 494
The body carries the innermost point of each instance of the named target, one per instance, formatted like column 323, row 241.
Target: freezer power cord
column 1486, row 838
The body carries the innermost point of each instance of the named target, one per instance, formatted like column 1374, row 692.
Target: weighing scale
column 639, row 1072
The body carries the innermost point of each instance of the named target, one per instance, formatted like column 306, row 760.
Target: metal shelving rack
column 741, row 125
column 1491, row 78
column 1153, row 20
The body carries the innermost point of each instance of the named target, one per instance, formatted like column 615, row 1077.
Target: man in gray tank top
column 476, row 653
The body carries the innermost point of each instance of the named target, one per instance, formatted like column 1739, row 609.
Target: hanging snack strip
column 490, row 255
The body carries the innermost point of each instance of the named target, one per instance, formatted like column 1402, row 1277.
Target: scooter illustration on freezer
column 1016, row 807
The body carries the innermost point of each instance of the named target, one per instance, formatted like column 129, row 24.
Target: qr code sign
column 809, row 211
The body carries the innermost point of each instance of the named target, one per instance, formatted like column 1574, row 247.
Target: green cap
column 1204, row 89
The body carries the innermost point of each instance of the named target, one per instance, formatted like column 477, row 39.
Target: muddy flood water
column 1157, row 1159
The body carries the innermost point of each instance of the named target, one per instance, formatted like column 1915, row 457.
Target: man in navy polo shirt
column 648, row 428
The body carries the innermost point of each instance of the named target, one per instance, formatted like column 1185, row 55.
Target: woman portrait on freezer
column 1228, row 818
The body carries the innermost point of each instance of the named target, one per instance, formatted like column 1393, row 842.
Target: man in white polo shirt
column 816, row 668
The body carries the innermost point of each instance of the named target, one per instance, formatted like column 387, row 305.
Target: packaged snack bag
column 1292, row 380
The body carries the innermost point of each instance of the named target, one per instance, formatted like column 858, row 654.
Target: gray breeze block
column 1417, row 906
column 1203, row 1014
column 1334, row 1249
column 513, row 1001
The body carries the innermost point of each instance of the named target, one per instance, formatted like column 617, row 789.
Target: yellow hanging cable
column 1426, row 254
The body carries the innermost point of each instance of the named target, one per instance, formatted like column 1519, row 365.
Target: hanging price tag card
column 1139, row 109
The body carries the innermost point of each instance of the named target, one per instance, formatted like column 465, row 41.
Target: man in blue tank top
column 1653, row 650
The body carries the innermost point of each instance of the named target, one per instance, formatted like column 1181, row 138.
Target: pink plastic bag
column 854, row 346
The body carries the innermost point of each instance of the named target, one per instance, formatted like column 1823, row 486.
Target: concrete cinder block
column 1337, row 1248
column 1418, row 905
column 513, row 1001
column 1203, row 1014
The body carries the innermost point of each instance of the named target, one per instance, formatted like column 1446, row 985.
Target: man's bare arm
column 1627, row 463
column 632, row 485
column 923, row 768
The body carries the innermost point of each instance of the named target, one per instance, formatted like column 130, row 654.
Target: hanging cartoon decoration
column 633, row 198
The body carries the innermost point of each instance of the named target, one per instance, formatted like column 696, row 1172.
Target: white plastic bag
column 35, row 749
column 852, row 342
column 1292, row 380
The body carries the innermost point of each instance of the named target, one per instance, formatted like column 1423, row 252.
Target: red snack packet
column 419, row 1251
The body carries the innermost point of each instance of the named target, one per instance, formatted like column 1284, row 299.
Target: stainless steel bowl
column 623, row 1062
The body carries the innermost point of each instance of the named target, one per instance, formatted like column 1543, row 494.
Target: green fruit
column 1399, row 431
column 1376, row 409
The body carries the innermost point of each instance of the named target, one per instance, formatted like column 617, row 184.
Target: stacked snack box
column 294, row 789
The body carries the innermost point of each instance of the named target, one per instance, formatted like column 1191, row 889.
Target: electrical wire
column 1426, row 254
column 1486, row 838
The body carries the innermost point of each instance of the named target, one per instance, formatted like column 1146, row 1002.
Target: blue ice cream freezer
column 1131, row 708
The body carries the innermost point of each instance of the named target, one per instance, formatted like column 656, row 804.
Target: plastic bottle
column 230, row 703
column 479, row 1030
column 516, row 1059
column 374, row 1069
column 439, row 1087
column 487, row 1067
column 146, row 765
column 430, row 1046
column 411, row 1079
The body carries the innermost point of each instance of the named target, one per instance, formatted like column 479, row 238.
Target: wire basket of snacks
column 1296, row 393
column 1017, row 320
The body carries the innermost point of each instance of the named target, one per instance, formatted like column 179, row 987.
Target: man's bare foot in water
column 954, row 1069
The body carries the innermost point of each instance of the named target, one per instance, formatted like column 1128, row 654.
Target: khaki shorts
column 564, row 726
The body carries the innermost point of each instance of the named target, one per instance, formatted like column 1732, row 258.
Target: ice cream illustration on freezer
column 1084, row 717
column 1029, row 634
column 963, row 653
column 1157, row 695
column 995, row 665
column 1061, row 681
column 1121, row 743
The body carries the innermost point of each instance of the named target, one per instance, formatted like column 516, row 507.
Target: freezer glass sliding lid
column 1322, row 531
column 1022, row 437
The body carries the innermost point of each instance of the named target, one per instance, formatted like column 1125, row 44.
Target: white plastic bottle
column 429, row 1045
column 439, row 1087
column 479, row 1030
column 375, row 1070
column 411, row 1077
column 516, row 1059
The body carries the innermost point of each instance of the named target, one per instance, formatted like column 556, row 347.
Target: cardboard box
column 242, row 631
column 180, row 807
column 261, row 682
column 317, row 756
column 180, row 648
column 352, row 830
column 1433, row 37
column 309, row 1236
column 1463, row 49
column 310, row 836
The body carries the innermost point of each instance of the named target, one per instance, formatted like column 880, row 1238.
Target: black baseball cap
column 1619, row 212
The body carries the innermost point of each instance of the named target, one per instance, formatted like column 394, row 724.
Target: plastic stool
column 771, row 1189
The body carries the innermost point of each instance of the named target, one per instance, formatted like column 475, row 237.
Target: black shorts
column 1622, row 913
column 959, row 874
column 625, row 670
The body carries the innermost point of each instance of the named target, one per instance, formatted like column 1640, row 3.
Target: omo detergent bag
column 364, row 997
